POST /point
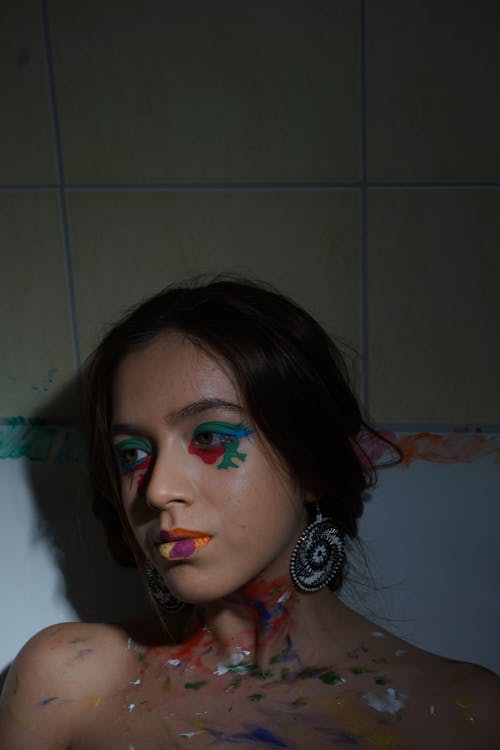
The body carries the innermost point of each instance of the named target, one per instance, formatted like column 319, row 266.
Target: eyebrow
column 179, row 415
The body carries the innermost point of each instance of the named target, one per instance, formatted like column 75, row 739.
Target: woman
column 222, row 450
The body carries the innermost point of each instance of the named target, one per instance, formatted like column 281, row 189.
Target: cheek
column 209, row 456
column 133, row 481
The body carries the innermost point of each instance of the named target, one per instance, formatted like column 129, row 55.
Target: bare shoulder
column 466, row 701
column 448, row 703
column 438, row 702
column 60, row 670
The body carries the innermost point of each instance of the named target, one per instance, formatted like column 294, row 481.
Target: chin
column 189, row 586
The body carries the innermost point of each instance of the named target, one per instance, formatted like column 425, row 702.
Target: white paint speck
column 221, row 669
column 284, row 597
column 238, row 655
column 131, row 707
column 378, row 634
column 432, row 710
column 174, row 662
column 390, row 703
column 190, row 734
column 136, row 682
column 129, row 644
column 400, row 652
column 132, row 747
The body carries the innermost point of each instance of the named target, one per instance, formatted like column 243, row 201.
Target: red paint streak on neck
column 262, row 589
column 208, row 455
column 194, row 648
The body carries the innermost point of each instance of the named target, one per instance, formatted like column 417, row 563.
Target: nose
column 169, row 480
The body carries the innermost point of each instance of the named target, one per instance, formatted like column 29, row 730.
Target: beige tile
column 432, row 83
column 26, row 140
column 434, row 287
column 208, row 91
column 129, row 245
column 35, row 335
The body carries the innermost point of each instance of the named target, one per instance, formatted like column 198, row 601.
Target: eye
column 210, row 439
column 132, row 454
column 210, row 435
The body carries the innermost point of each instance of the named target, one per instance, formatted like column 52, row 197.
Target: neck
column 264, row 622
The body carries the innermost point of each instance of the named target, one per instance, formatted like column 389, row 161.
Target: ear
column 310, row 500
column 310, row 497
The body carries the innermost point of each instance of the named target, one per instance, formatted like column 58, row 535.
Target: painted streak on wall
column 33, row 439
column 39, row 441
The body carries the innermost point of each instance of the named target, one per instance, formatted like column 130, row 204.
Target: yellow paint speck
column 462, row 702
column 91, row 701
column 14, row 715
column 469, row 721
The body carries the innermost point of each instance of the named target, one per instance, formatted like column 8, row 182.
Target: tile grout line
column 256, row 186
column 61, row 183
column 363, row 213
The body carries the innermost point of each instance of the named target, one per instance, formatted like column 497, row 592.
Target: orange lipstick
column 178, row 544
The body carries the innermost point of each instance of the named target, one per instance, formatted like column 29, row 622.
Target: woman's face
column 210, row 504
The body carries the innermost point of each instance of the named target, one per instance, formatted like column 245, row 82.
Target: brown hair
column 292, row 378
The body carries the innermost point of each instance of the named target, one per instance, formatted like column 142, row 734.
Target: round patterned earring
column 318, row 554
column 160, row 593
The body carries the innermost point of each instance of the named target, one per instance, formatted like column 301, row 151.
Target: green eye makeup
column 211, row 440
column 132, row 454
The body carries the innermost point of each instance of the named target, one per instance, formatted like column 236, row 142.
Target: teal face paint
column 132, row 454
column 211, row 440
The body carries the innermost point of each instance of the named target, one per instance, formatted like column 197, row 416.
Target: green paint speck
column 285, row 673
column 261, row 674
column 235, row 682
column 256, row 697
column 195, row 685
column 330, row 678
column 241, row 668
column 311, row 672
column 78, row 639
column 361, row 670
column 381, row 680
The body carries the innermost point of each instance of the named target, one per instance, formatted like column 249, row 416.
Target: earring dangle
column 318, row 554
column 160, row 593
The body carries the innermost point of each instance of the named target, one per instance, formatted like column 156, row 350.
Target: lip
column 179, row 544
column 177, row 535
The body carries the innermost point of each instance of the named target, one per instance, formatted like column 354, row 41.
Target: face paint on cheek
column 142, row 476
column 138, row 475
column 208, row 456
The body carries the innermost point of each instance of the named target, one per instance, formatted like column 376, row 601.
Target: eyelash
column 125, row 446
column 224, row 434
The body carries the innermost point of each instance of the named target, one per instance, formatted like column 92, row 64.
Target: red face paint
column 142, row 477
column 208, row 455
column 134, row 474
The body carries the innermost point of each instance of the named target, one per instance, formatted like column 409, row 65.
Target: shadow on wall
column 96, row 587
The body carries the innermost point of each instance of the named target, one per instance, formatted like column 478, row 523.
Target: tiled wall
column 347, row 151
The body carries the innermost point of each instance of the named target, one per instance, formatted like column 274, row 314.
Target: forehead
column 171, row 371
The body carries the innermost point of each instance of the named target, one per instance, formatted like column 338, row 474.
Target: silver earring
column 160, row 593
column 318, row 554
